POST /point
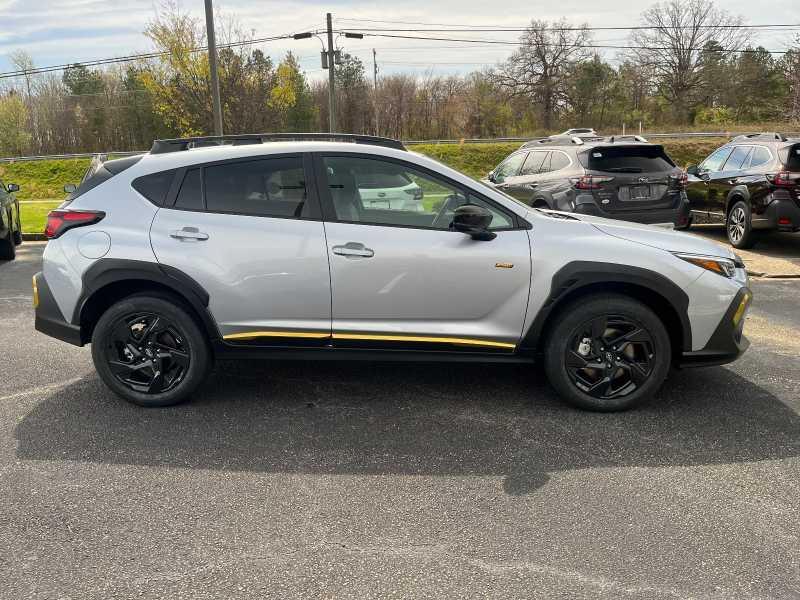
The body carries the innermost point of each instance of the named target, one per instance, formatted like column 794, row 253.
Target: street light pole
column 331, row 79
column 212, row 62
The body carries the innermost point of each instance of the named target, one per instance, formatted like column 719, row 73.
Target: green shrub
column 43, row 179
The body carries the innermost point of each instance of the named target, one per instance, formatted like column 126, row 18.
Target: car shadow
column 448, row 420
column 772, row 244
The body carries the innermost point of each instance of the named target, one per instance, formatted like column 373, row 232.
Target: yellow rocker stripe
column 249, row 335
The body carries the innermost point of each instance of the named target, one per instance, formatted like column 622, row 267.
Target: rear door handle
column 189, row 233
column 354, row 249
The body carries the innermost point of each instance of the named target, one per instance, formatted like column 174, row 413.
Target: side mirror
column 474, row 221
column 490, row 176
column 12, row 187
column 693, row 170
column 70, row 188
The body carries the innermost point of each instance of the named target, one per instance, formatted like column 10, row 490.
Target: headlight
column 721, row 266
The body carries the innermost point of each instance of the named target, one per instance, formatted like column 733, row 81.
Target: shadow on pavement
column 406, row 419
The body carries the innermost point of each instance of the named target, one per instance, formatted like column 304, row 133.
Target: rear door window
column 190, row 196
column 273, row 187
column 533, row 164
column 628, row 159
column 738, row 158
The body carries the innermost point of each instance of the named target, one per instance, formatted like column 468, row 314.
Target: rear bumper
column 586, row 204
column 783, row 213
column 727, row 343
column 49, row 319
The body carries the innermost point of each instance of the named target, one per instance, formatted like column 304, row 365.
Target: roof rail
column 626, row 138
column 180, row 144
column 764, row 135
column 556, row 140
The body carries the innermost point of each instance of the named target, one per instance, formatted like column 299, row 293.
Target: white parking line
column 41, row 389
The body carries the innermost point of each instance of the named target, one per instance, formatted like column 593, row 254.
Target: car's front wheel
column 607, row 352
column 150, row 351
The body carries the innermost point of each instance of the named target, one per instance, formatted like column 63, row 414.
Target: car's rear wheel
column 18, row 232
column 739, row 226
column 607, row 353
column 150, row 351
column 8, row 250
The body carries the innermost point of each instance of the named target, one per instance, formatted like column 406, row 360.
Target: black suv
column 752, row 184
column 10, row 225
column 621, row 177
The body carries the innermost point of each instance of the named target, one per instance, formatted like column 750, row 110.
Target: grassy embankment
column 45, row 180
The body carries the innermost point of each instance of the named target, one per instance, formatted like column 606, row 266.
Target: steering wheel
column 444, row 217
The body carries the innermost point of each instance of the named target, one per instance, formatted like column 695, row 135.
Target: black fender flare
column 107, row 271
column 740, row 192
column 578, row 275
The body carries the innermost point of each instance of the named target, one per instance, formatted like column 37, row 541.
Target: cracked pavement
column 328, row 480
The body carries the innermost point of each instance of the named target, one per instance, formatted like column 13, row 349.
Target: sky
column 63, row 31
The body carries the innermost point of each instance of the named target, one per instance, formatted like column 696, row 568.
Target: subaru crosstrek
column 262, row 246
column 621, row 177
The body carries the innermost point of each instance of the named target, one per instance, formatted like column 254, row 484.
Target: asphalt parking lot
column 356, row 481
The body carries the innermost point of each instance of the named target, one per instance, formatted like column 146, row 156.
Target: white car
column 168, row 260
column 388, row 190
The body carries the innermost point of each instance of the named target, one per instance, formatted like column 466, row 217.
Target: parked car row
column 751, row 184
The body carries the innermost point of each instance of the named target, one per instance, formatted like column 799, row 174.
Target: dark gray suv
column 622, row 177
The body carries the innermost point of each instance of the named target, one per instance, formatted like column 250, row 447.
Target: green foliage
column 34, row 215
column 716, row 115
column 14, row 136
column 43, row 179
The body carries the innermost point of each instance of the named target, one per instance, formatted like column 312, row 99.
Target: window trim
column 763, row 164
column 746, row 157
column 722, row 164
column 312, row 197
column 569, row 158
column 329, row 211
column 527, row 158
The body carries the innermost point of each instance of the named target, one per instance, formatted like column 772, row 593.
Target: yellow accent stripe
column 737, row 316
column 415, row 338
column 35, row 293
column 249, row 335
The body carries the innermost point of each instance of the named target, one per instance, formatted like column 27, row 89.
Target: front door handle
column 354, row 249
column 189, row 233
column 733, row 181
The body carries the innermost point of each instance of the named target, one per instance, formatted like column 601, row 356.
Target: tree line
column 691, row 64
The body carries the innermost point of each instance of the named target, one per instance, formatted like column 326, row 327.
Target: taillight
column 681, row 179
column 590, row 182
column 783, row 179
column 59, row 221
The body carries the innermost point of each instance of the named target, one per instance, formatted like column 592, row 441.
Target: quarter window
column 761, row 156
column 272, row 187
column 155, row 186
column 406, row 196
column 558, row 161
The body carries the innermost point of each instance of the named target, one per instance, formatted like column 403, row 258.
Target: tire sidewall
column 748, row 238
column 199, row 352
column 584, row 309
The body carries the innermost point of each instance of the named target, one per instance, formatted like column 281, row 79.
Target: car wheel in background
column 18, row 232
column 739, row 226
column 150, row 351
column 607, row 353
column 8, row 250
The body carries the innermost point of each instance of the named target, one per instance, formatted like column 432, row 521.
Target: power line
column 132, row 57
column 591, row 46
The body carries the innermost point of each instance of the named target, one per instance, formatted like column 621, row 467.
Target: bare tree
column 672, row 46
column 539, row 69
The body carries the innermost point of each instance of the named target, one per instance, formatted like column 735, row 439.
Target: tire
column 136, row 335
column 8, row 250
column 541, row 203
column 627, row 373
column 739, row 226
column 684, row 227
column 18, row 232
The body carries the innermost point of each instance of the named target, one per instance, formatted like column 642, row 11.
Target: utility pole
column 331, row 78
column 375, row 81
column 212, row 62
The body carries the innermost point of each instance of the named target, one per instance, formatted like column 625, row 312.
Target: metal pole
column 331, row 79
column 212, row 63
column 375, row 81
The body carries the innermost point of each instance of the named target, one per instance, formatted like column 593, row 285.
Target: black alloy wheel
column 609, row 357
column 147, row 353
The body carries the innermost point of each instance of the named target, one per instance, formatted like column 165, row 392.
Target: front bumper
column 49, row 319
column 727, row 343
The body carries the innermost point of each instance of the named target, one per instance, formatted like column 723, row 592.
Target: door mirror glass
column 70, row 188
column 473, row 220
column 13, row 187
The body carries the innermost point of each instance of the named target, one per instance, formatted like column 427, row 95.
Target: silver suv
column 212, row 248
